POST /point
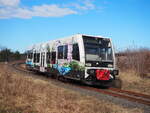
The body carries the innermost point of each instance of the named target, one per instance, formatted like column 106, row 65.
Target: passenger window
column 48, row 57
column 53, row 60
column 30, row 55
column 75, row 52
column 38, row 57
column 60, row 52
column 34, row 56
column 65, row 51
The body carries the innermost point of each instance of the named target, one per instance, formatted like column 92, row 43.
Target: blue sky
column 25, row 22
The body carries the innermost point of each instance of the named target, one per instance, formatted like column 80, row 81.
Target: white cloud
column 83, row 5
column 41, row 11
column 51, row 10
column 12, row 9
column 88, row 4
column 9, row 2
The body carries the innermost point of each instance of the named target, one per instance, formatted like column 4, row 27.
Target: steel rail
column 130, row 93
column 115, row 94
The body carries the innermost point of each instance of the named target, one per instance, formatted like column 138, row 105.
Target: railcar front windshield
column 97, row 49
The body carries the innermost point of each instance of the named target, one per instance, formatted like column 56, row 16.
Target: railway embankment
column 28, row 94
column 134, row 67
column 131, row 81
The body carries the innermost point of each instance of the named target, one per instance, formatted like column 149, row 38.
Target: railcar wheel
column 57, row 76
column 61, row 78
column 54, row 76
column 48, row 74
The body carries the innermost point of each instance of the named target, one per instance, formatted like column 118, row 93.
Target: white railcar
column 90, row 59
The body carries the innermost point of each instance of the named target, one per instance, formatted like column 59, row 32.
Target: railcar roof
column 43, row 45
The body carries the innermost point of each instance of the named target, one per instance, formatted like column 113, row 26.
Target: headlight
column 110, row 65
column 116, row 72
column 88, row 64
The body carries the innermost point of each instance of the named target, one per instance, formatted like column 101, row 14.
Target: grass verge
column 24, row 94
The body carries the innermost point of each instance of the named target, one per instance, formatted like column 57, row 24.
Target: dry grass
column 20, row 94
column 134, row 66
column 131, row 81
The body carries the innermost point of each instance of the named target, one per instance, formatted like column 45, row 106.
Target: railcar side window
column 30, row 55
column 75, row 52
column 38, row 57
column 60, row 52
column 48, row 57
column 53, row 55
column 34, row 57
column 65, row 51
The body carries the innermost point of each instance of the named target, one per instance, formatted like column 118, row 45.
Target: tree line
column 7, row 55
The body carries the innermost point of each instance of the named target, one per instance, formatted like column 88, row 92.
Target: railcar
column 89, row 59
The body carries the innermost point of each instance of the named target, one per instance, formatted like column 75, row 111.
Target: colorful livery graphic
column 89, row 59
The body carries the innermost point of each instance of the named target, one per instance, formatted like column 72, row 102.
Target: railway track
column 128, row 95
column 123, row 94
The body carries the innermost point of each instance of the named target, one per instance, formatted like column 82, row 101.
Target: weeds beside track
column 128, row 95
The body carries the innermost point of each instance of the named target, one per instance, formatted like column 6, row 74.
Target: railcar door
column 42, row 67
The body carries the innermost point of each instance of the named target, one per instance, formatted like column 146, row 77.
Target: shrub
column 135, row 59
